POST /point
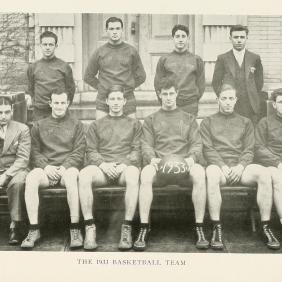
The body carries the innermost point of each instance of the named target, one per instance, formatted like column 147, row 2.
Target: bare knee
column 85, row 176
column 147, row 174
column 213, row 175
column 198, row 175
column 132, row 175
column 33, row 178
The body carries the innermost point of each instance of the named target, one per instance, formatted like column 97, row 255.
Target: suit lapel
column 231, row 62
column 248, row 63
column 10, row 135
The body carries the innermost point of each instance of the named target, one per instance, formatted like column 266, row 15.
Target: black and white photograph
column 134, row 139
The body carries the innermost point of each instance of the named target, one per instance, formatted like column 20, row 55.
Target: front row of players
column 115, row 146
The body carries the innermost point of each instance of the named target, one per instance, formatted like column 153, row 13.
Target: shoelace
column 200, row 233
column 75, row 233
column 218, row 232
column 142, row 234
column 30, row 235
column 268, row 233
column 125, row 234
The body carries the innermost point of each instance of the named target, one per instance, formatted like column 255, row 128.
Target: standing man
column 268, row 147
column 171, row 131
column 57, row 154
column 114, row 156
column 115, row 63
column 242, row 69
column 228, row 144
column 47, row 74
column 185, row 68
column 14, row 159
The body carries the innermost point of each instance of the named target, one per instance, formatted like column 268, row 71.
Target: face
column 227, row 101
column 48, row 47
column 6, row 114
column 238, row 39
column 168, row 98
column 114, row 32
column 277, row 105
column 180, row 40
column 116, row 101
column 59, row 104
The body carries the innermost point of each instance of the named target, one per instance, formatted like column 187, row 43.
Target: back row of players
column 114, row 141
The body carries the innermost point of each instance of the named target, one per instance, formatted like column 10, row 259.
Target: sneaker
column 201, row 243
column 90, row 237
column 76, row 240
column 140, row 243
column 32, row 238
column 269, row 238
column 216, row 241
column 125, row 242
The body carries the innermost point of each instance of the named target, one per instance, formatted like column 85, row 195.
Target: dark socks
column 144, row 225
column 89, row 222
column 127, row 222
column 34, row 226
column 74, row 226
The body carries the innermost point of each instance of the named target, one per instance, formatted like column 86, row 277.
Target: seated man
column 228, row 144
column 268, row 147
column 113, row 155
column 57, row 154
column 171, row 131
column 14, row 159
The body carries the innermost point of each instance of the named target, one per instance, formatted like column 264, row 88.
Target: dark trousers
column 15, row 192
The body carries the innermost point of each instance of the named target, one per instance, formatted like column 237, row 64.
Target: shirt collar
column 239, row 53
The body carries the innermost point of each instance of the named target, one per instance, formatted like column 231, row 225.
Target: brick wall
column 14, row 51
column 265, row 39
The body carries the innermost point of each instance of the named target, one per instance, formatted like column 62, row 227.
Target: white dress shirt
column 239, row 56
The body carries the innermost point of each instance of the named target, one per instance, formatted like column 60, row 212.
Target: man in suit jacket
column 14, row 159
column 242, row 69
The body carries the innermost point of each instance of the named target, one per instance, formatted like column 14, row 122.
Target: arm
column 247, row 154
column 76, row 158
column 135, row 155
column 22, row 155
column 92, row 70
column 37, row 158
column 194, row 141
column 160, row 74
column 92, row 146
column 259, row 75
column 210, row 154
column 263, row 154
column 30, row 80
column 138, row 70
column 218, row 75
column 200, row 80
column 148, row 141
column 69, row 83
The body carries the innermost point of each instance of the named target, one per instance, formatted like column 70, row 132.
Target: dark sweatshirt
column 57, row 142
column 268, row 147
column 168, row 133
column 188, row 69
column 114, row 139
column 227, row 140
column 115, row 64
column 45, row 77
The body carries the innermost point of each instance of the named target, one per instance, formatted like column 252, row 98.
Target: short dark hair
column 239, row 27
column 113, row 20
column 168, row 83
column 115, row 88
column 180, row 27
column 276, row 93
column 227, row 87
column 6, row 100
column 48, row 33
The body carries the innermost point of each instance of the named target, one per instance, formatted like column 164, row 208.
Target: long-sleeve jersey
column 115, row 64
column 114, row 139
column 47, row 76
column 227, row 140
column 58, row 142
column 188, row 70
column 268, row 146
column 170, row 132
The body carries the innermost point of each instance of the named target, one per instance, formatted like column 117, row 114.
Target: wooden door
column 155, row 40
